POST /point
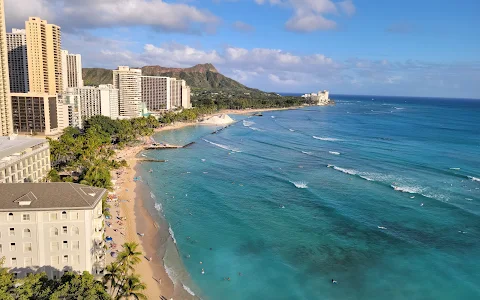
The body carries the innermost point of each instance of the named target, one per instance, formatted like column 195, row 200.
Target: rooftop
column 48, row 196
column 12, row 145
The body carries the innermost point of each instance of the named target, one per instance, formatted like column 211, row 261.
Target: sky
column 428, row 48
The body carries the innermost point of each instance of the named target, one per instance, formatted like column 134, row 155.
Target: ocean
column 381, row 194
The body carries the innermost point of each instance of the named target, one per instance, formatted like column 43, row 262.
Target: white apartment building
column 52, row 228
column 17, row 61
column 94, row 101
column 129, row 83
column 23, row 159
column 179, row 94
column 72, row 101
column 322, row 98
column 71, row 70
column 156, row 93
column 6, row 126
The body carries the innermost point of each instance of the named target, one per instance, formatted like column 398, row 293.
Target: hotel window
column 76, row 260
column 26, row 217
column 27, row 233
column 64, row 230
column 10, row 217
column 53, row 231
column 1, row 248
column 27, row 247
column 75, row 230
column 54, row 246
column 13, row 247
column 64, row 215
column 28, row 261
column 65, row 245
column 65, row 259
column 12, row 232
column 53, row 216
column 74, row 215
column 76, row 245
column 55, row 260
column 14, row 261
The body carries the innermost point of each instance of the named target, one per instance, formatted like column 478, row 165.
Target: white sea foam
column 346, row 171
column 334, row 152
column 223, row 146
column 186, row 288
column 399, row 108
column 408, row 189
column 468, row 199
column 248, row 123
column 152, row 195
column 171, row 274
column 328, row 139
column 474, row 178
column 273, row 117
column 454, row 168
column 158, row 207
column 170, row 230
column 300, row 184
column 203, row 159
column 307, row 153
column 381, row 227
column 255, row 129
column 292, row 130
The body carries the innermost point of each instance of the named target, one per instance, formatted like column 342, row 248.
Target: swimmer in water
column 203, row 271
column 334, row 281
column 421, row 204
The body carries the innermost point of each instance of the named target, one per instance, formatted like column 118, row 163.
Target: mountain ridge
column 200, row 76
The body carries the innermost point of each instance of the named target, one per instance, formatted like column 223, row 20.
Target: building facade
column 35, row 113
column 94, row 101
column 322, row 98
column 23, row 159
column 71, row 70
column 52, row 228
column 17, row 61
column 74, row 115
column 129, row 84
column 156, row 93
column 44, row 56
column 179, row 94
column 6, row 125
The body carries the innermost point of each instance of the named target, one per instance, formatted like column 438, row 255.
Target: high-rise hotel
column 129, row 84
column 18, row 61
column 6, row 126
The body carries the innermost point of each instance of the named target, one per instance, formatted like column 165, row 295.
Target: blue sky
column 387, row 47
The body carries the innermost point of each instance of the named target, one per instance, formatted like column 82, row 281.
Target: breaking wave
column 158, row 207
column 255, row 129
column 223, row 146
column 334, row 152
column 152, row 195
column 248, row 123
column 300, row 184
column 170, row 230
column 328, row 139
column 408, row 189
column 474, row 178
column 292, row 130
column 186, row 288
column 307, row 153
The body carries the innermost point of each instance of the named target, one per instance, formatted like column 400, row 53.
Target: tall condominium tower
column 129, row 83
column 6, row 125
column 156, row 92
column 71, row 70
column 44, row 56
column 179, row 93
column 17, row 61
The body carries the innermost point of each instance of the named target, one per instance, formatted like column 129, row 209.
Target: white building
column 321, row 98
column 179, row 94
column 129, row 83
column 94, row 101
column 23, row 159
column 6, row 126
column 71, row 70
column 52, row 228
column 18, row 61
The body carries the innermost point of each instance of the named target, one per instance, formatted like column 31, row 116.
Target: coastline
column 133, row 204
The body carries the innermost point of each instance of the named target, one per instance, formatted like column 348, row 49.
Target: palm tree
column 126, row 261
column 132, row 288
column 113, row 275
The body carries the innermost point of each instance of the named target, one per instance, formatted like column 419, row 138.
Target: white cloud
column 74, row 15
column 309, row 15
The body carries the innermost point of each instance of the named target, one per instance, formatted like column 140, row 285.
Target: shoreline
column 133, row 204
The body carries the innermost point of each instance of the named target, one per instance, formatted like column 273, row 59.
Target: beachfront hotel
column 93, row 101
column 180, row 94
column 17, row 60
column 320, row 98
column 6, row 126
column 44, row 56
column 71, row 70
column 52, row 228
column 23, row 159
column 156, row 92
column 38, row 113
column 129, row 84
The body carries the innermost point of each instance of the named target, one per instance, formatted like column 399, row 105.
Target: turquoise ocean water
column 381, row 195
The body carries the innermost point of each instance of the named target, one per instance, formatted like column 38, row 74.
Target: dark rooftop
column 48, row 196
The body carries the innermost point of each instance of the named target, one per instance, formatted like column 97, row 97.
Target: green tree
column 73, row 286
column 6, row 282
column 113, row 276
column 132, row 288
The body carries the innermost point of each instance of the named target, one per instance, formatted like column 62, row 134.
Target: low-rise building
column 321, row 98
column 23, row 159
column 52, row 228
